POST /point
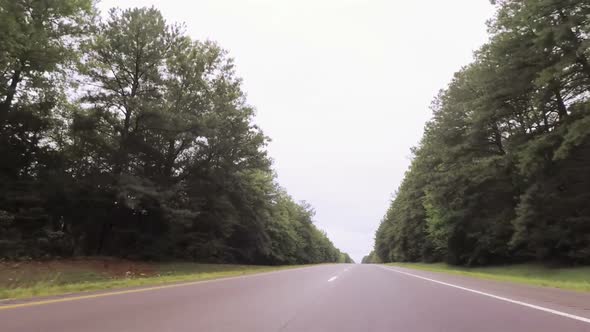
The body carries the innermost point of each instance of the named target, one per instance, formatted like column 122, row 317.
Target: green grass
column 573, row 278
column 24, row 280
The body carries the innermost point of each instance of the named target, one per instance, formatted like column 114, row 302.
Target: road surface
column 320, row 298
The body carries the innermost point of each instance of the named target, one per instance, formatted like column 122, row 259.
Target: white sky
column 342, row 87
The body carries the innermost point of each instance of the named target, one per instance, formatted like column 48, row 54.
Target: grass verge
column 572, row 278
column 34, row 279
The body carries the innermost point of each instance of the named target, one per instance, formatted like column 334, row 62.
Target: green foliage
column 122, row 136
column 371, row 258
column 501, row 172
column 345, row 258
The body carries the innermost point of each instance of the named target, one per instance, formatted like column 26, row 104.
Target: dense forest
column 502, row 172
column 122, row 136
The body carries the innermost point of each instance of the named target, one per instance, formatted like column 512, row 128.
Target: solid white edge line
column 524, row 304
column 333, row 278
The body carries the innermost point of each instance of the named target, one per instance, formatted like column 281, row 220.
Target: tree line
column 502, row 172
column 122, row 136
column 371, row 258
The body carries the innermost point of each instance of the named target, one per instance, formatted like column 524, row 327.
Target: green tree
column 38, row 48
column 125, row 137
column 498, row 175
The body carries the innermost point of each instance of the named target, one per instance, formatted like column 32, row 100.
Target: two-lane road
column 320, row 298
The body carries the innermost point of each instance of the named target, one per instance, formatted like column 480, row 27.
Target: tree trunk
column 169, row 162
column 15, row 79
column 584, row 63
column 571, row 35
column 561, row 109
column 498, row 138
column 104, row 235
column 122, row 153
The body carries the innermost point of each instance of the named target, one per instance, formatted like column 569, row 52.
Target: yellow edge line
column 129, row 291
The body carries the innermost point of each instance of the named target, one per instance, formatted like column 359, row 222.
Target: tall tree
column 498, row 174
column 38, row 47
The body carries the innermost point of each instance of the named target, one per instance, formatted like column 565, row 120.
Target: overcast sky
column 342, row 87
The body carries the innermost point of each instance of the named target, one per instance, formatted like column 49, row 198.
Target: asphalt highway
column 337, row 297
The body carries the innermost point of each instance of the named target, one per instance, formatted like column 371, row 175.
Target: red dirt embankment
column 21, row 273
